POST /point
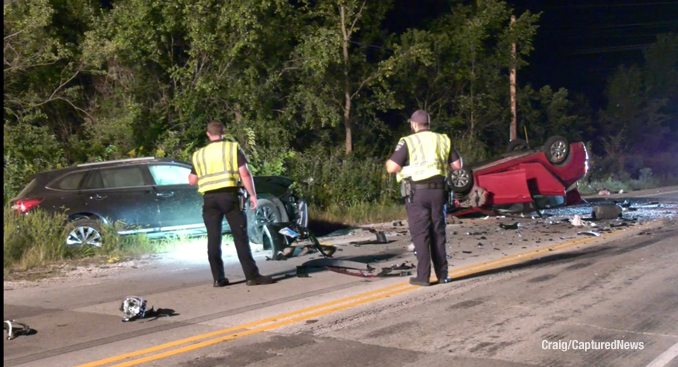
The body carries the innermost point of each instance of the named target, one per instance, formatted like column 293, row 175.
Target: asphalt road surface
column 546, row 294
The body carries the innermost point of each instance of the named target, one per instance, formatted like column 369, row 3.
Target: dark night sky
column 579, row 43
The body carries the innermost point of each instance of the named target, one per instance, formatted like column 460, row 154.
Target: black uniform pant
column 426, row 217
column 215, row 207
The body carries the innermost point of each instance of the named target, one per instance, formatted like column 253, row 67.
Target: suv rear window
column 117, row 177
column 69, row 182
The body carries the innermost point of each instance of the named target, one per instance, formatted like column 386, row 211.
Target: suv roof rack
column 116, row 161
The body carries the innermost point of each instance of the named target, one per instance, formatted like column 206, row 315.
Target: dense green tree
column 641, row 113
column 45, row 84
column 300, row 85
column 337, row 70
column 464, row 83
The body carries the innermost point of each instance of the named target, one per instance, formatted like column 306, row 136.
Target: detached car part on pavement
column 150, row 195
column 543, row 177
column 15, row 328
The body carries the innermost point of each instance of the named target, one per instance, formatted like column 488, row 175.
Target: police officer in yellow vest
column 421, row 162
column 217, row 170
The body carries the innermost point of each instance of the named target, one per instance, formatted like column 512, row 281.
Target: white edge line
column 665, row 357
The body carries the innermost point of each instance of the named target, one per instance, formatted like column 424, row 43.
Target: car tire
column 85, row 232
column 557, row 149
column 266, row 212
column 517, row 145
column 461, row 180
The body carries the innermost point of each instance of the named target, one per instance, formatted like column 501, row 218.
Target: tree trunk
column 473, row 82
column 513, row 130
column 347, row 125
column 347, row 84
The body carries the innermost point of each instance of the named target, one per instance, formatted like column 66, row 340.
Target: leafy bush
column 27, row 150
column 470, row 148
column 328, row 178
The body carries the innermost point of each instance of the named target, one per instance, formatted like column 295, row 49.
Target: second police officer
column 421, row 161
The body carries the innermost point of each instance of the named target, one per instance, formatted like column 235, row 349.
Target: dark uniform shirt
column 401, row 156
column 242, row 160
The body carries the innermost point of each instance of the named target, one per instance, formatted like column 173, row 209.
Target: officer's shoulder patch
column 400, row 145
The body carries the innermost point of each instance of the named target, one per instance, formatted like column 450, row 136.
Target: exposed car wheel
column 266, row 212
column 517, row 145
column 84, row 232
column 557, row 149
column 461, row 179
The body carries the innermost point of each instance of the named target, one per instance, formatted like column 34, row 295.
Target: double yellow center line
column 219, row 336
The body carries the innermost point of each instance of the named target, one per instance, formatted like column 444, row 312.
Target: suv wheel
column 84, row 232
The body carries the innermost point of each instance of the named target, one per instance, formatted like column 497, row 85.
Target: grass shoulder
column 614, row 186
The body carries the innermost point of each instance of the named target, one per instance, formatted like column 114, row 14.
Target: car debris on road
column 285, row 237
column 589, row 233
column 15, row 328
column 354, row 268
column 509, row 226
column 381, row 239
column 576, row 221
column 606, row 212
column 133, row 308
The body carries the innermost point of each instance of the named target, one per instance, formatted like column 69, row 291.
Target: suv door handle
column 97, row 197
column 165, row 194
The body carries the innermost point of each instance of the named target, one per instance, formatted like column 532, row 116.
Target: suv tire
column 84, row 232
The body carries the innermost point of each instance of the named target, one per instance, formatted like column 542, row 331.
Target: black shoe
column 421, row 283
column 261, row 279
column 221, row 282
column 444, row 281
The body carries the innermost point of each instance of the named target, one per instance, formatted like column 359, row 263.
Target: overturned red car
column 545, row 176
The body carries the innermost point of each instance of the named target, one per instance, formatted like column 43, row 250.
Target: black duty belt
column 430, row 185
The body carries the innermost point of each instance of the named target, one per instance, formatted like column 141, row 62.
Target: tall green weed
column 327, row 178
column 33, row 239
column 39, row 238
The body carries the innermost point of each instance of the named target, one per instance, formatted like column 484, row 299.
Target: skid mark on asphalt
column 466, row 304
column 542, row 278
column 392, row 329
column 578, row 266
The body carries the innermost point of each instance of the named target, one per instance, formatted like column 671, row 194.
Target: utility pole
column 514, row 108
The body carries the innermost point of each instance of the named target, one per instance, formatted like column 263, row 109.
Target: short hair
column 215, row 128
column 421, row 118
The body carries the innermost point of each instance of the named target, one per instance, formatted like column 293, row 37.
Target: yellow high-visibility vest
column 216, row 166
column 429, row 153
